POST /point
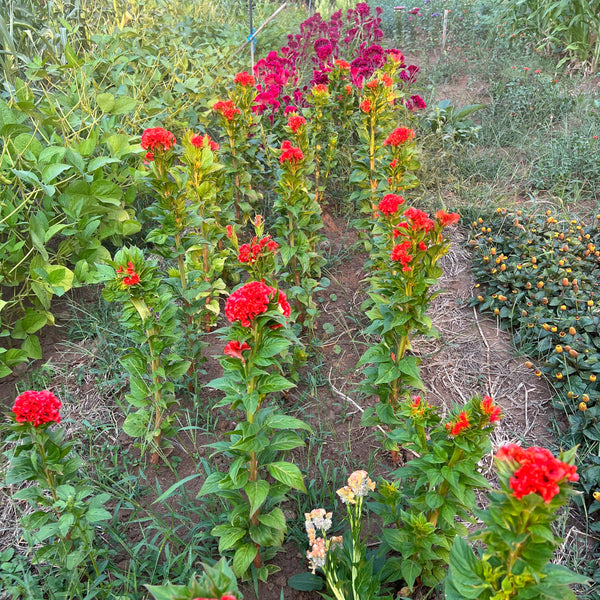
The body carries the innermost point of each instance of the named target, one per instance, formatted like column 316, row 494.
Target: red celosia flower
column 320, row 89
column 422, row 246
column 295, row 122
column 227, row 597
column 235, row 349
column 252, row 300
column 461, row 423
column 539, row 471
column 420, row 219
column 155, row 140
column 249, row 253
column 447, row 218
column 244, row 78
column 204, row 141
column 132, row 280
column 399, row 227
column 390, row 203
column 372, row 84
column 488, row 408
column 399, row 136
column 394, row 163
column 132, row 277
column 227, row 109
column 229, row 230
column 400, row 255
column 365, row 106
column 37, row 408
column 387, row 80
column 349, row 90
column 290, row 153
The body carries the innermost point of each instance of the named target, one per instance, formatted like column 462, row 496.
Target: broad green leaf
column 106, row 102
column 243, row 557
column 52, row 171
column 257, row 492
column 287, row 473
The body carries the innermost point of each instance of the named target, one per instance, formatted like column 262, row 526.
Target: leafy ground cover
column 175, row 473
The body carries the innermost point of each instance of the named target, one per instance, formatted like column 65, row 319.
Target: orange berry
column 582, row 406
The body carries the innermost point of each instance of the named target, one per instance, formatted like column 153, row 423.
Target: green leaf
column 211, row 484
column 228, row 536
column 287, row 473
column 65, row 522
column 32, row 346
column 281, row 421
column 165, row 495
column 275, row 519
column 33, row 321
column 410, row 570
column 95, row 515
column 51, row 172
column 123, row 105
column 305, row 582
column 274, row 383
column 243, row 557
column 286, row 440
column 106, row 102
column 100, row 161
column 257, row 492
column 137, row 424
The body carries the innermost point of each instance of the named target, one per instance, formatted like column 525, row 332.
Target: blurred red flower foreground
column 539, row 471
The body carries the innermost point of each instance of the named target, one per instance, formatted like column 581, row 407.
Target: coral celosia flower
column 37, row 408
column 227, row 109
column 235, row 349
column 390, row 203
column 461, row 423
column 447, row 219
column 320, row 89
column 204, row 141
column 365, row 106
column 290, row 153
column 399, row 254
column 252, row 300
column 387, row 80
column 341, row 64
column 295, row 122
column 489, row 408
column 250, row 253
column 539, row 471
column 132, row 277
column 420, row 219
column 244, row 78
column 156, row 139
column 399, row 136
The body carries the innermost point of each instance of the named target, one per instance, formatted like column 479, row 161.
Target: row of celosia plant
column 517, row 524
